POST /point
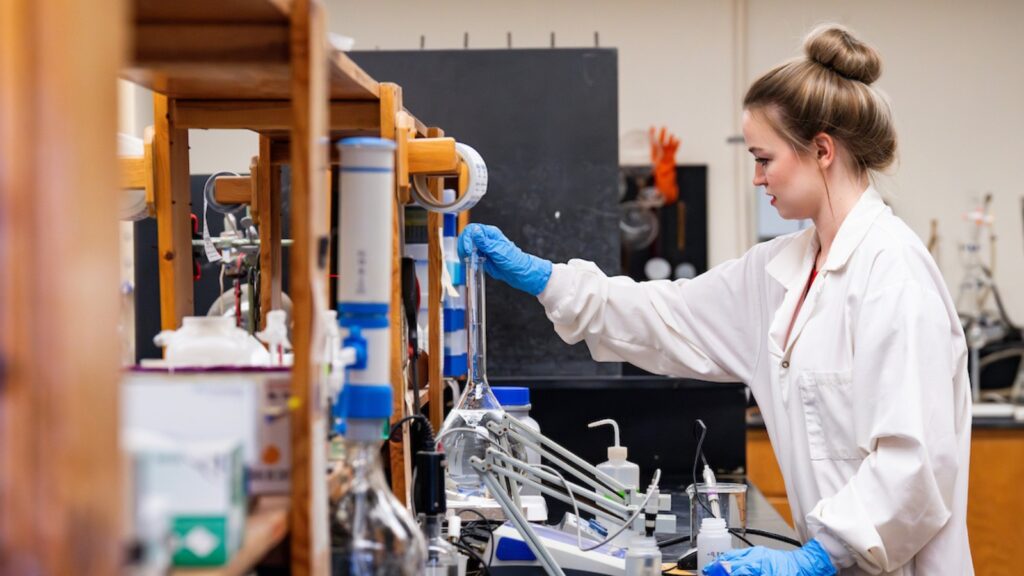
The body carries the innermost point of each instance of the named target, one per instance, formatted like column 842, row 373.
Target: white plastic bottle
column 643, row 557
column 617, row 466
column 714, row 540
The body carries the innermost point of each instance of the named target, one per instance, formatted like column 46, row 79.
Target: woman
column 845, row 332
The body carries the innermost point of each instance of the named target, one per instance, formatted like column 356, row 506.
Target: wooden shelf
column 265, row 528
column 227, row 50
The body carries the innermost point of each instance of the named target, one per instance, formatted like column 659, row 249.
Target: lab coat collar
column 854, row 228
column 791, row 266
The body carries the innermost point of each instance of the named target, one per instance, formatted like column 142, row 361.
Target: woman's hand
column 505, row 261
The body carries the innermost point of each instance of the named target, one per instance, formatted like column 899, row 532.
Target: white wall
column 953, row 72
column 951, row 69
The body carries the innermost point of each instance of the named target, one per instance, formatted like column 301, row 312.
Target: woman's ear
column 824, row 147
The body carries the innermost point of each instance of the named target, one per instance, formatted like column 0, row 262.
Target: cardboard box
column 200, row 485
column 250, row 406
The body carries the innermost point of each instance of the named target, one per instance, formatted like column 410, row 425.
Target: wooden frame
column 297, row 104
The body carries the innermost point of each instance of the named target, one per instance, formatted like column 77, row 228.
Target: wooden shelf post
column 60, row 464
column 310, row 546
column 172, row 196
column 435, row 333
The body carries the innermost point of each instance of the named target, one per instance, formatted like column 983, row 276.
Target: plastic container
column 208, row 341
column 713, row 541
column 626, row 472
column 732, row 502
column 643, row 557
column 464, row 433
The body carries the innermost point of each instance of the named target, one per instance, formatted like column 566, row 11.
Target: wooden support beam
column 270, row 115
column 432, row 156
column 233, row 190
column 435, row 332
column 147, row 146
column 401, row 479
column 310, row 552
column 60, row 462
column 268, row 214
column 205, row 43
column 133, row 171
column 404, row 132
column 173, row 214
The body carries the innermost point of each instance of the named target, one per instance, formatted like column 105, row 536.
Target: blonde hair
column 829, row 91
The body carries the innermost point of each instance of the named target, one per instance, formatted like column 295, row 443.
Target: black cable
column 487, row 523
column 773, row 536
column 485, row 519
column 696, row 460
column 474, row 555
column 736, row 532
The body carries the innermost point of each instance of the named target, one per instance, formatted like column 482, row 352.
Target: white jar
column 643, row 557
column 207, row 341
column 714, row 540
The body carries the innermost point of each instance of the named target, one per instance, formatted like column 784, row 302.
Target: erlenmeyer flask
column 465, row 433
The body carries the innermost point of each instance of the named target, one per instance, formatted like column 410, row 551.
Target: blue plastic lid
column 368, row 142
column 511, row 395
column 365, row 402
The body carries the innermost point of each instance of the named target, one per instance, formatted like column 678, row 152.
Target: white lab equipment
column 366, row 190
column 617, row 466
column 712, row 541
column 730, row 500
column 275, row 336
column 208, row 341
column 599, row 494
column 465, row 433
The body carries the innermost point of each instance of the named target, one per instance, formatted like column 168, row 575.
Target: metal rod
column 517, row 518
column 601, row 505
column 540, row 442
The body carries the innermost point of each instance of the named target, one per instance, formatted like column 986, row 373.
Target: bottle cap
column 511, row 395
column 617, row 452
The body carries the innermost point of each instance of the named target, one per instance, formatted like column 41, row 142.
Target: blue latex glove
column 811, row 560
column 505, row 261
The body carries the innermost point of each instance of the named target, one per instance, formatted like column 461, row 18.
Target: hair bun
column 835, row 48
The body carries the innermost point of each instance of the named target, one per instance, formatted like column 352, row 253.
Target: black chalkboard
column 546, row 123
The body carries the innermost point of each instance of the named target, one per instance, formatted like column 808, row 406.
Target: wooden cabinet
column 763, row 471
column 995, row 505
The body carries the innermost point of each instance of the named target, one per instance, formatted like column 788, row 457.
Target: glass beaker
column 464, row 433
column 732, row 502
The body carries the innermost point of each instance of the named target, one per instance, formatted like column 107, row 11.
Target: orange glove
column 663, row 161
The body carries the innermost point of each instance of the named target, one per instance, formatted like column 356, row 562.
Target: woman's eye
column 762, row 161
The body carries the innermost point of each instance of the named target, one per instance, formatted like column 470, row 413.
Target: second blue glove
column 811, row 560
column 505, row 261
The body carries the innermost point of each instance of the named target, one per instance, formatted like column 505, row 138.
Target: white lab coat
column 868, row 406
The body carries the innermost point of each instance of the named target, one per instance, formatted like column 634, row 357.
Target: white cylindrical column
column 365, row 211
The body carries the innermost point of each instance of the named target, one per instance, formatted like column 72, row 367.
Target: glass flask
column 464, row 433
column 372, row 534
column 442, row 559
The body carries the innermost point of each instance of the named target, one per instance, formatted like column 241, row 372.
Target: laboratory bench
column 995, row 501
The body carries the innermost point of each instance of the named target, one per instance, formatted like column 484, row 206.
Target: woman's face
column 793, row 180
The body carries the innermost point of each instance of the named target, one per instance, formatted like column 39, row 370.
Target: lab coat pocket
column 828, row 410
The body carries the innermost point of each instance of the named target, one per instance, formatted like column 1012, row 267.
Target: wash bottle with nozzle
column 617, row 466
